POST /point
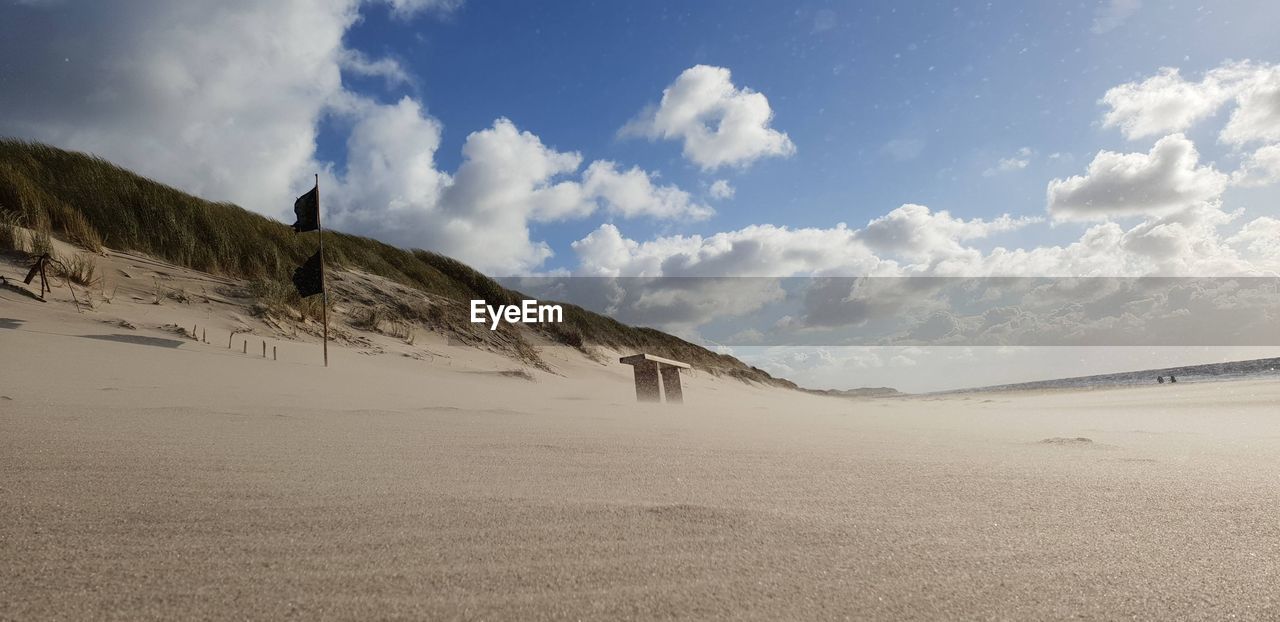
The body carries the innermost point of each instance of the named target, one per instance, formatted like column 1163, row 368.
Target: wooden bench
column 656, row 376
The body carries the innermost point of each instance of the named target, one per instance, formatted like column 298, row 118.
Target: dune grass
column 11, row 235
column 79, row 268
column 94, row 204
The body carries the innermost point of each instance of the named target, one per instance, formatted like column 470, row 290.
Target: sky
column 714, row 138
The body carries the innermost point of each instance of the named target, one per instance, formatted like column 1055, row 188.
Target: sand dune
column 150, row 476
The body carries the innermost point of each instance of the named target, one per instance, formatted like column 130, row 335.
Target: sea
column 1210, row 372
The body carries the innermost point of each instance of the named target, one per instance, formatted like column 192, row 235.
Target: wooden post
column 264, row 349
column 244, row 348
column 229, row 338
column 204, row 335
column 273, row 353
column 324, row 289
column 44, row 280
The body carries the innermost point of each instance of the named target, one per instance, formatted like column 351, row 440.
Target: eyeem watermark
column 527, row 312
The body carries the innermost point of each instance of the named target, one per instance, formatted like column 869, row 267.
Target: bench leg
column 671, row 384
column 648, row 388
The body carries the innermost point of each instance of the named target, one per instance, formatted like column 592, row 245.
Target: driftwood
column 39, row 268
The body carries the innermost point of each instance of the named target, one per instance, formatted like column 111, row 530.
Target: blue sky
column 971, row 108
column 963, row 85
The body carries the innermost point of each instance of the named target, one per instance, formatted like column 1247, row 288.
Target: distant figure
column 1160, row 379
column 1173, row 378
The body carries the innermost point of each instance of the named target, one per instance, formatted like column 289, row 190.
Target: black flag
column 307, row 208
column 309, row 277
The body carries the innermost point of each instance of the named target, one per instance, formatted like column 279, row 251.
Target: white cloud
column 1112, row 13
column 389, row 69
column 914, row 241
column 917, row 234
column 758, row 250
column 1261, row 168
column 1257, row 113
column 481, row 214
column 1260, row 238
column 921, row 239
column 632, row 193
column 1166, row 179
column 405, row 8
column 1166, row 102
column 1162, row 103
column 1016, row 162
column 719, row 123
column 163, row 89
column 721, row 189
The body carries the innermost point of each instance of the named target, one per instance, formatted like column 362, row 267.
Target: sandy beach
column 147, row 475
column 369, row 310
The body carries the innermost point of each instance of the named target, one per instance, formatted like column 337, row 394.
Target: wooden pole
column 264, row 349
column 273, row 353
column 244, row 347
column 229, row 338
column 204, row 335
column 324, row 290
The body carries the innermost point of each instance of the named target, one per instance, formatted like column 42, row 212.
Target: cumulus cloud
column 915, row 241
column 1260, row 168
column 1257, row 114
column 1167, row 102
column 719, row 124
column 758, row 250
column 1162, row 103
column 909, row 239
column 405, row 8
column 481, row 214
column 389, row 69
column 1016, row 162
column 918, row 234
column 1166, row 179
column 1259, row 238
column 721, row 189
column 632, row 193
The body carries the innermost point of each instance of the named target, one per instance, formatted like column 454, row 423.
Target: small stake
column 273, row 353
column 264, row 349
column 244, row 349
column 229, row 338
column 204, row 335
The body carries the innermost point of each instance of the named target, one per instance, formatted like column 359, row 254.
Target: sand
column 149, row 476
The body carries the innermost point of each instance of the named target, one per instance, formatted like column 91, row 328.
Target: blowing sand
column 149, row 476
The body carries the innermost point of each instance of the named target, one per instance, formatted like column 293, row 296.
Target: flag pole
column 324, row 290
